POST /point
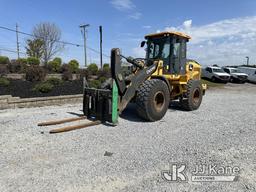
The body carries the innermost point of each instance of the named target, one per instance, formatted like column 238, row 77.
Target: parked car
column 235, row 75
column 250, row 71
column 215, row 74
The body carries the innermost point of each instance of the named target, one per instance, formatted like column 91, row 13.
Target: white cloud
column 139, row 52
column 224, row 42
column 146, row 27
column 127, row 6
column 123, row 5
column 187, row 24
column 135, row 15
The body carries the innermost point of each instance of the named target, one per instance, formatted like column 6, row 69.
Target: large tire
column 193, row 97
column 153, row 99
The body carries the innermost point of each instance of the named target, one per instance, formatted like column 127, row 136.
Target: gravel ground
column 221, row 132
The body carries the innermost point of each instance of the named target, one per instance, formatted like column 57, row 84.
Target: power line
column 31, row 35
column 64, row 42
column 11, row 51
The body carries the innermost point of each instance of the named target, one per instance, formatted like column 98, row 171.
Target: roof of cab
column 168, row 33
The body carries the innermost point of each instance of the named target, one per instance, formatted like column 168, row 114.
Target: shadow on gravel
column 76, row 114
column 175, row 105
column 130, row 112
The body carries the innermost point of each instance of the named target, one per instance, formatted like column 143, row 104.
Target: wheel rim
column 159, row 101
column 196, row 96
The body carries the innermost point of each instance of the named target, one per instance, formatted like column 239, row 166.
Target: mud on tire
column 193, row 97
column 152, row 99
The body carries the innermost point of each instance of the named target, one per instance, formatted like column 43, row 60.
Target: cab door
column 178, row 57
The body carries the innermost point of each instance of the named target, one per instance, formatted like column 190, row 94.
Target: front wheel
column 152, row 99
column 193, row 97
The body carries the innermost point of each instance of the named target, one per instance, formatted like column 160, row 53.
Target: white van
column 215, row 74
column 250, row 71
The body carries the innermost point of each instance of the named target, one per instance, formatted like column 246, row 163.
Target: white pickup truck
column 236, row 75
column 215, row 74
column 250, row 71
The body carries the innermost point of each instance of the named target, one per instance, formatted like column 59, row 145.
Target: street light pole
column 248, row 59
column 83, row 30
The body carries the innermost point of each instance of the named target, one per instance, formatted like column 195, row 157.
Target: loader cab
column 171, row 48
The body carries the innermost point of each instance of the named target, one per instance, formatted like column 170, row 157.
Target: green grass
column 212, row 84
column 4, row 82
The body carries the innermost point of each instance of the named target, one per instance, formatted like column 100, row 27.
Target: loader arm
column 128, row 91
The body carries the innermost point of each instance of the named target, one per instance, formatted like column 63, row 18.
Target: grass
column 212, row 84
column 4, row 82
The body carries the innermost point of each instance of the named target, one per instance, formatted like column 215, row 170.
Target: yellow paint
column 168, row 33
column 179, row 82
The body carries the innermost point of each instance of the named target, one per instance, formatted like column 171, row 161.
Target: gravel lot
column 221, row 132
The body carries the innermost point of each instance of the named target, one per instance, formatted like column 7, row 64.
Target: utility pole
column 83, row 30
column 100, row 28
column 17, row 41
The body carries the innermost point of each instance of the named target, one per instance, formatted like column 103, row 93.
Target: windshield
column 234, row 71
column 217, row 70
column 159, row 48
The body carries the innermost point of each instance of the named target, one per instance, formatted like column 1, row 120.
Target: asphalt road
column 132, row 155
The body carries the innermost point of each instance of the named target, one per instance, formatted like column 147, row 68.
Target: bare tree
column 50, row 34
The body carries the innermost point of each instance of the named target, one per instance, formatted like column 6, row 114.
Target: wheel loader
column 165, row 74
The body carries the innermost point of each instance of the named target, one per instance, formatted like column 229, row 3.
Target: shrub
column 35, row 73
column 18, row 65
column 67, row 75
column 22, row 61
column 4, row 82
column 14, row 67
column 33, row 61
column 92, row 69
column 44, row 87
column 64, row 67
column 54, row 66
column 104, row 73
column 4, row 60
column 3, row 69
column 94, row 84
column 83, row 73
column 73, row 65
column 102, row 79
column 106, row 66
column 54, row 81
column 57, row 60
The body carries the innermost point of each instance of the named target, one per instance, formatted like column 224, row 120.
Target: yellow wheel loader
column 164, row 75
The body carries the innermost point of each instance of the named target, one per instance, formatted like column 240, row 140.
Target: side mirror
column 142, row 43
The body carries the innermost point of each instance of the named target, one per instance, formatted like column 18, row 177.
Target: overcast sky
column 223, row 31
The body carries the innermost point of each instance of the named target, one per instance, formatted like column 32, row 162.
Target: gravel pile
column 131, row 156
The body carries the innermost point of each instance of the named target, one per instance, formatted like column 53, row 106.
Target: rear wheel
column 193, row 97
column 153, row 98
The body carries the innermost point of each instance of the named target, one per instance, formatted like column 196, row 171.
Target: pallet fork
column 99, row 106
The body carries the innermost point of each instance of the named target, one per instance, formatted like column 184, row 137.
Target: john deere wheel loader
column 164, row 75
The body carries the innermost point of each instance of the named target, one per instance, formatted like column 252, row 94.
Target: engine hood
column 222, row 74
column 239, row 74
